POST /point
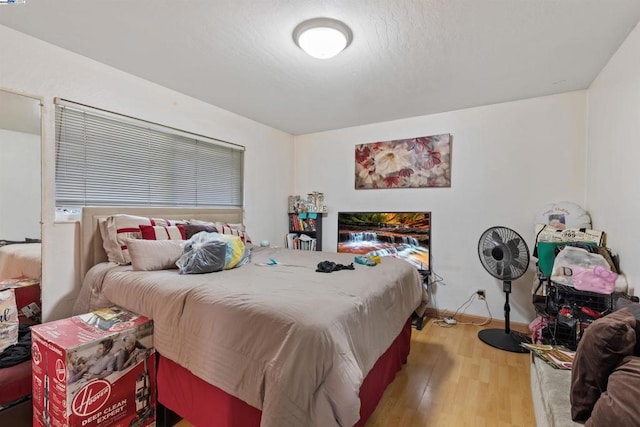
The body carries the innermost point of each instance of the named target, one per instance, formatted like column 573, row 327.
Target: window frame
column 161, row 165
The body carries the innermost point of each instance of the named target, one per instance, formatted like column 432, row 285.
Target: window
column 108, row 159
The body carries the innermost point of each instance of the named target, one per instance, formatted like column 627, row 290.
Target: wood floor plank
column 467, row 382
column 453, row 379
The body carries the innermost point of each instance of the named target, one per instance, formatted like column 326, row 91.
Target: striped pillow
column 226, row 229
column 117, row 229
column 157, row 232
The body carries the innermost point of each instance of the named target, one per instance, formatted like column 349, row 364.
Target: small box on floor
column 94, row 370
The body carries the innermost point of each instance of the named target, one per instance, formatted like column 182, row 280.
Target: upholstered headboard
column 91, row 249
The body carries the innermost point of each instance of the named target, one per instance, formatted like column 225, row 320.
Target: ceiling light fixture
column 322, row 38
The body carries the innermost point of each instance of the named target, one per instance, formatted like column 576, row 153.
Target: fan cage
column 501, row 238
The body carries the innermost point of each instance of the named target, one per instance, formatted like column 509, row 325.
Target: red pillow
column 155, row 232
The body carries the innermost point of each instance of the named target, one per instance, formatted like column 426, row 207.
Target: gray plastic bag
column 202, row 254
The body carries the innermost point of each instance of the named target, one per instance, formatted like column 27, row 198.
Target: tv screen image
column 405, row 235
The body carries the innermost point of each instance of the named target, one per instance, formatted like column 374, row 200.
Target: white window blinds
column 106, row 159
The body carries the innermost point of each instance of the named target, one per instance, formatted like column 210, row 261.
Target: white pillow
column 563, row 215
column 150, row 255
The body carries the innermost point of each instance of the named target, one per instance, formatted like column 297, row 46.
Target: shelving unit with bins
column 304, row 225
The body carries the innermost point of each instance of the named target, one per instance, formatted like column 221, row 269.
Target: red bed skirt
column 203, row 404
column 15, row 382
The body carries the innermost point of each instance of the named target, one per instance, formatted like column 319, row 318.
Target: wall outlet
column 481, row 294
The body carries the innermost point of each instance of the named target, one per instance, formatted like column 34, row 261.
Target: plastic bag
column 547, row 251
column 597, row 279
column 8, row 319
column 210, row 252
column 570, row 258
column 202, row 256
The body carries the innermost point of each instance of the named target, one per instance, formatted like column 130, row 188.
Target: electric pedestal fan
column 505, row 255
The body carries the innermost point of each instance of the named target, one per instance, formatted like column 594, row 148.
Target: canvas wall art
column 405, row 163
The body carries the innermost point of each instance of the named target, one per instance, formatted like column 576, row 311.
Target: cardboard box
column 27, row 297
column 94, row 370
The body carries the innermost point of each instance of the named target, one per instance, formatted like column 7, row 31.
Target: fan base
column 498, row 338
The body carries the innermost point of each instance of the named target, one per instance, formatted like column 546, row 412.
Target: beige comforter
column 290, row 341
column 21, row 259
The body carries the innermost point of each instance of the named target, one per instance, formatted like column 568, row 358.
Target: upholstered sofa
column 550, row 390
column 601, row 390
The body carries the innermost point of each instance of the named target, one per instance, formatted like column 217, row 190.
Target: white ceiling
column 407, row 58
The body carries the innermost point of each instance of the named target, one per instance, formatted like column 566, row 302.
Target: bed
column 262, row 344
column 21, row 260
column 17, row 260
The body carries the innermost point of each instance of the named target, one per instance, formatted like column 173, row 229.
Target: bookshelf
column 305, row 232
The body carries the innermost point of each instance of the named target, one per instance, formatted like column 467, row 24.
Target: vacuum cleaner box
column 94, row 370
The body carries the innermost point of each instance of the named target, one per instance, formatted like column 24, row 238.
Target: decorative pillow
column 155, row 232
column 232, row 225
column 633, row 307
column 191, row 229
column 150, row 255
column 562, row 215
column 604, row 344
column 116, row 230
column 226, row 229
column 618, row 406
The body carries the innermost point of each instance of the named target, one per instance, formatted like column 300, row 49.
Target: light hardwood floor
column 453, row 379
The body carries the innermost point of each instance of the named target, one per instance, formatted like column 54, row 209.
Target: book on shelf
column 300, row 242
column 556, row 356
column 296, row 223
column 289, row 240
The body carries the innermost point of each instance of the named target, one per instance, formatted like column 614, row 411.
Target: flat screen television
column 405, row 235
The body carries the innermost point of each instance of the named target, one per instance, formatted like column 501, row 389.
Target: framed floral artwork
column 405, row 163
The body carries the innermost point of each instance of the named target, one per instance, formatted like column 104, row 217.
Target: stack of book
column 296, row 223
column 300, row 242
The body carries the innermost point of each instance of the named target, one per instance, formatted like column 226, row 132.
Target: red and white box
column 27, row 297
column 94, row 370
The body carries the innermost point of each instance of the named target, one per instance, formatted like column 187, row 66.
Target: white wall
column 613, row 154
column 45, row 71
column 508, row 161
column 19, row 185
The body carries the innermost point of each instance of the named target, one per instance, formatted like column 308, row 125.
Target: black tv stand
column 419, row 320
